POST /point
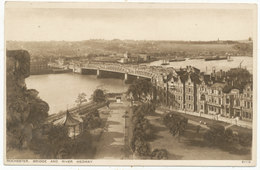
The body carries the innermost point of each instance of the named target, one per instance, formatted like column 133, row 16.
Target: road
column 112, row 142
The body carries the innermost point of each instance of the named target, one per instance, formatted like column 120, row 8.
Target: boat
column 165, row 62
column 215, row 58
column 177, row 60
column 229, row 59
column 59, row 71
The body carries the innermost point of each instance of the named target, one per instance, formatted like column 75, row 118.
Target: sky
column 76, row 24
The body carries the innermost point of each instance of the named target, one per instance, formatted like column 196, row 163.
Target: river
column 207, row 66
column 61, row 90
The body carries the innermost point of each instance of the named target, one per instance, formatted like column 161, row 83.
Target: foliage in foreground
column 142, row 131
column 159, row 154
column 217, row 135
column 92, row 120
column 56, row 144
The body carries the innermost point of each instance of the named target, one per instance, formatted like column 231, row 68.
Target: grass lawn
column 191, row 145
column 210, row 122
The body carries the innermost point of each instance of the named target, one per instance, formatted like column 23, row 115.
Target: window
column 212, row 91
column 202, row 97
column 238, row 102
column 189, row 90
column 227, row 110
column 227, row 101
column 219, row 100
column 201, row 106
column 248, row 105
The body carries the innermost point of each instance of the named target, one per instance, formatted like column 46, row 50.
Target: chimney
column 221, row 73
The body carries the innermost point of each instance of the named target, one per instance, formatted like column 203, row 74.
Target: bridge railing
column 146, row 72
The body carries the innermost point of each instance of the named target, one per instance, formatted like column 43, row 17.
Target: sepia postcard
column 166, row 84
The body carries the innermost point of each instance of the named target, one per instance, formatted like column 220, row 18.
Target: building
column 176, row 87
column 73, row 124
column 214, row 99
column 236, row 100
column 39, row 66
column 247, row 99
column 202, row 92
column 191, row 92
column 134, row 58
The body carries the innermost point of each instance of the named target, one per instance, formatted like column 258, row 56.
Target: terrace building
column 247, row 106
column 177, row 88
column 214, row 98
column 202, row 92
column 191, row 92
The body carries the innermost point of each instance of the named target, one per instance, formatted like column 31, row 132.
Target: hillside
column 118, row 47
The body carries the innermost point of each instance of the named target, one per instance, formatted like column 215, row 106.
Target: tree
column 237, row 78
column 99, row 96
column 159, row 154
column 215, row 135
column 81, row 99
column 140, row 88
column 176, row 123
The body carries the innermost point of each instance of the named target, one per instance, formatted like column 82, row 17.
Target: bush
column 229, row 137
column 140, row 146
column 57, row 145
column 245, row 139
column 159, row 154
column 176, row 123
column 142, row 131
column 99, row 96
column 50, row 145
column 215, row 135
column 92, row 120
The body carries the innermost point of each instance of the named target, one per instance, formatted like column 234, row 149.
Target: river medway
column 61, row 90
column 208, row 66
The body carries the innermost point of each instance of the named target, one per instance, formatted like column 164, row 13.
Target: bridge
column 143, row 71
